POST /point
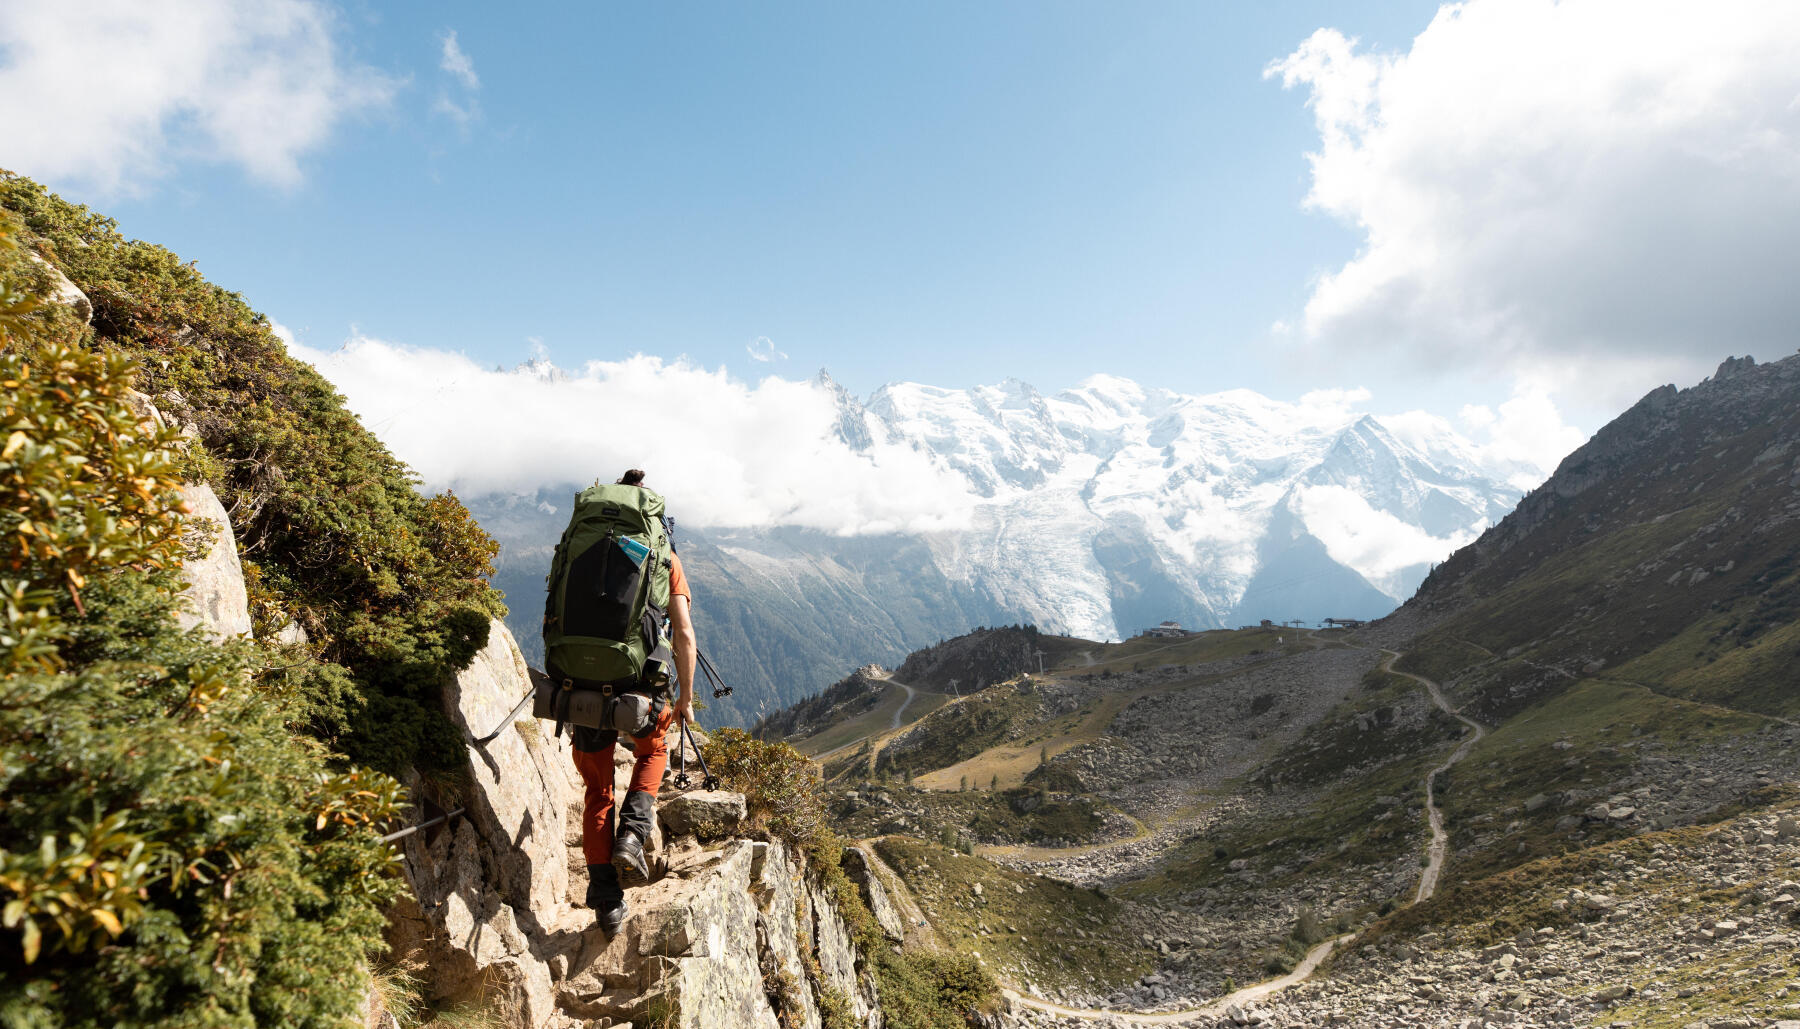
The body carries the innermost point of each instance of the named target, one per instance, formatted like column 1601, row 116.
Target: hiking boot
column 606, row 899
column 628, row 857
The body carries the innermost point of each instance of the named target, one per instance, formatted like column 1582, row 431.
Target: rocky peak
column 852, row 425
column 1732, row 367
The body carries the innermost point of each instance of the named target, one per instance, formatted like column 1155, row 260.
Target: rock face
column 491, row 887
column 215, row 596
column 725, row 935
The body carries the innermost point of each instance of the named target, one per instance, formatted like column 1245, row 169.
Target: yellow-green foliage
column 389, row 585
column 87, row 488
column 172, row 856
column 934, row 990
column 781, row 787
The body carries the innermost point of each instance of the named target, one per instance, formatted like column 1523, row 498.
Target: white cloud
column 458, row 64
column 1331, row 404
column 1607, row 189
column 1528, row 430
column 725, row 452
column 466, row 107
column 1372, row 541
column 1520, row 444
column 762, row 349
column 110, row 93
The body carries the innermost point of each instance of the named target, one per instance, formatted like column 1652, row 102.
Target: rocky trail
column 1440, row 840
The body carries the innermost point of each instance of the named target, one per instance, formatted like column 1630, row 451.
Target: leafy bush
column 389, row 585
column 170, row 855
column 782, row 789
column 933, row 990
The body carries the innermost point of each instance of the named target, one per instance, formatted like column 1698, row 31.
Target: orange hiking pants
column 596, row 768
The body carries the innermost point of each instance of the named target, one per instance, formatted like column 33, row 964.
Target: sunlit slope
column 1665, row 552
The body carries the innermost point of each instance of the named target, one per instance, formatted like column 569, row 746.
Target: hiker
column 613, row 835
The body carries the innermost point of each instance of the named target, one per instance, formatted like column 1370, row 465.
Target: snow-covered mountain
column 1094, row 512
column 1114, row 506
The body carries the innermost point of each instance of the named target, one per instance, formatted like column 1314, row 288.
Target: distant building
column 1166, row 629
column 1343, row 623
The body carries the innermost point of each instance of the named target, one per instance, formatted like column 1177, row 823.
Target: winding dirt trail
column 1440, row 840
column 1428, row 880
column 1245, row 996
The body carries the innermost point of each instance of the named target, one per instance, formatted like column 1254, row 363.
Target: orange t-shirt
column 678, row 586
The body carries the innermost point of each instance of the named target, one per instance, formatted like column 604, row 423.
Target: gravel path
column 900, row 715
column 1440, row 840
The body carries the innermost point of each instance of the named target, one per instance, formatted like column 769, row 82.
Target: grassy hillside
column 1665, row 551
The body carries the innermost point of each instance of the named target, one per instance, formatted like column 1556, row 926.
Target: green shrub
column 835, row 1011
column 172, row 855
column 782, row 789
column 932, row 989
column 389, row 585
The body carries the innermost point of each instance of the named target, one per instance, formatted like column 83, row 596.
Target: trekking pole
column 682, row 781
column 712, row 675
column 520, row 706
column 708, row 781
column 445, row 817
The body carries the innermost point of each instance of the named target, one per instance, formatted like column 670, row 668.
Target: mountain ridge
column 1093, row 512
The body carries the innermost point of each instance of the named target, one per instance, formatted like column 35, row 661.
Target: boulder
column 215, row 598
column 64, row 292
column 701, row 813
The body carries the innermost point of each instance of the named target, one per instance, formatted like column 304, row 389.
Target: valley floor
column 1684, row 927
column 1254, row 802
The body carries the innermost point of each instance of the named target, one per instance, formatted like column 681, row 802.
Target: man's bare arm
column 681, row 636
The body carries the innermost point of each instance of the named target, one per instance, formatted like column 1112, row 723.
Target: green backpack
column 609, row 593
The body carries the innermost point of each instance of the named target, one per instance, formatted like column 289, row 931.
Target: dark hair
column 632, row 477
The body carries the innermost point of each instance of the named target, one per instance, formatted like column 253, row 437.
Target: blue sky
column 1514, row 215
column 945, row 192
